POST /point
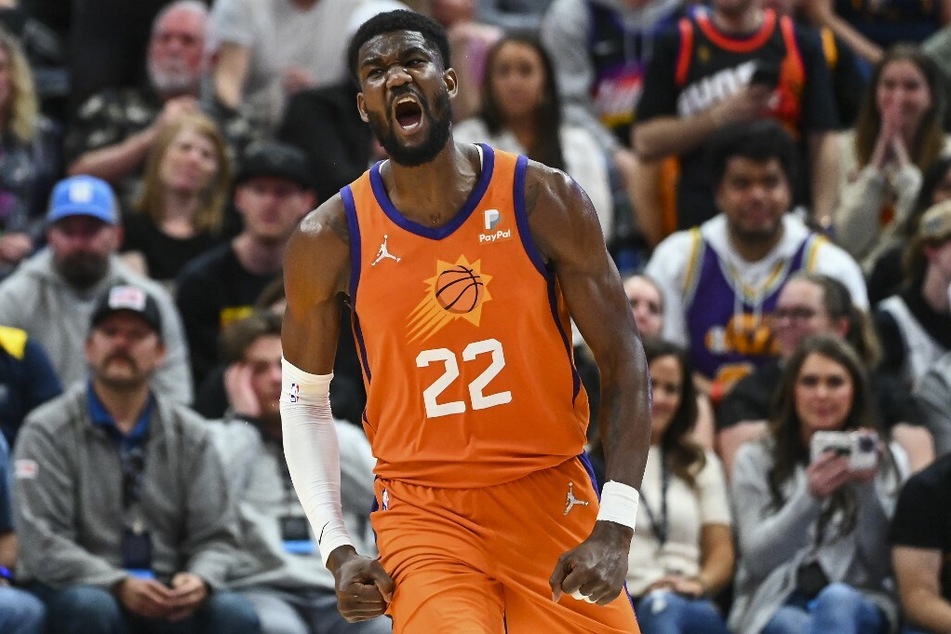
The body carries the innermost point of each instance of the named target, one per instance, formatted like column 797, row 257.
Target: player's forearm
column 115, row 161
column 624, row 420
column 665, row 136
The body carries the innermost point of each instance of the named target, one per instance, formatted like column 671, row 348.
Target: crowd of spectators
column 772, row 178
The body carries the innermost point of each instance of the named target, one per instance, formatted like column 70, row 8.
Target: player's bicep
column 310, row 342
column 566, row 229
column 316, row 274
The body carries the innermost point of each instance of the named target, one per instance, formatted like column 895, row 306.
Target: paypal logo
column 492, row 218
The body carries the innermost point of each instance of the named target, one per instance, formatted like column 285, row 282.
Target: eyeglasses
column 794, row 313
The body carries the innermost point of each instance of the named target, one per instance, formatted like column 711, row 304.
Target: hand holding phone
column 861, row 447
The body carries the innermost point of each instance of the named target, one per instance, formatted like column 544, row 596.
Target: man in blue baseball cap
column 53, row 294
column 83, row 228
column 83, row 195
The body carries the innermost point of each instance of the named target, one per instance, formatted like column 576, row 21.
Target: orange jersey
column 463, row 337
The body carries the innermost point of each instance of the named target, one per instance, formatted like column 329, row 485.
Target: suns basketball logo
column 457, row 291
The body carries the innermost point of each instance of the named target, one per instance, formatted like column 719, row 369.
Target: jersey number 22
column 479, row 399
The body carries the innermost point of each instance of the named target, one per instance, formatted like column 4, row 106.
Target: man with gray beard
column 114, row 129
column 52, row 295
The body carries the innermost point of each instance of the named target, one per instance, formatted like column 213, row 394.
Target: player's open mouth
column 408, row 113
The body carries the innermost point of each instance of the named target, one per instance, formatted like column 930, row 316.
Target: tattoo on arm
column 532, row 191
column 338, row 224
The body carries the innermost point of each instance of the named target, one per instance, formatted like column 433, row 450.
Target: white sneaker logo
column 383, row 253
column 571, row 501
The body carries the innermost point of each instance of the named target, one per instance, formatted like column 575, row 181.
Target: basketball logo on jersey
column 457, row 291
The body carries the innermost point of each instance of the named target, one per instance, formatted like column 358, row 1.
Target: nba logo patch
column 385, row 500
column 293, row 394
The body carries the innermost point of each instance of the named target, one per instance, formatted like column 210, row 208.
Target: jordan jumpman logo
column 571, row 501
column 383, row 253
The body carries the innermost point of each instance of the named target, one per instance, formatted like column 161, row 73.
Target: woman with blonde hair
column 30, row 157
column 179, row 214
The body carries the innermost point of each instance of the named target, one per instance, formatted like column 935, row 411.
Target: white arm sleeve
column 313, row 454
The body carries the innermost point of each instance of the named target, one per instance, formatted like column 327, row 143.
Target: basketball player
column 462, row 266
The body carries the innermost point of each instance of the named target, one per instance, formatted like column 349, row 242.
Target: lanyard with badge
column 659, row 522
column 136, row 540
column 295, row 532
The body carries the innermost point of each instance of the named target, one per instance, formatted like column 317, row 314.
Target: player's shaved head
column 399, row 20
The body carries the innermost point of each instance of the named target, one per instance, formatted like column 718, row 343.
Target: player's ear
column 452, row 81
column 362, row 108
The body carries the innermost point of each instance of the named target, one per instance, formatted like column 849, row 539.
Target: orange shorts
column 478, row 560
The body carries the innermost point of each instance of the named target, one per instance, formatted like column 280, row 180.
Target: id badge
column 137, row 553
column 295, row 535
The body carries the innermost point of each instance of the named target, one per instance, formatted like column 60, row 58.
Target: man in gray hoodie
column 124, row 519
column 53, row 294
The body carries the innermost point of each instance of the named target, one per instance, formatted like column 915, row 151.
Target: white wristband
column 619, row 504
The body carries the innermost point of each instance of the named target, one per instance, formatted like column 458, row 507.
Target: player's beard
column 440, row 120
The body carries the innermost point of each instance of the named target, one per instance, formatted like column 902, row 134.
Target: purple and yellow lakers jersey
column 463, row 336
column 728, row 322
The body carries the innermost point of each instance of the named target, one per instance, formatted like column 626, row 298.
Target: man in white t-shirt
column 270, row 49
column 721, row 280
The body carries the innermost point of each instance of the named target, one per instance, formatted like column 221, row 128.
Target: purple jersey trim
column 521, row 219
column 528, row 243
column 435, row 233
column 346, row 194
